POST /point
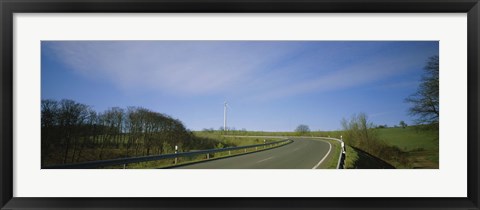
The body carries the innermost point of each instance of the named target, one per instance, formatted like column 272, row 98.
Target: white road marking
column 265, row 159
column 329, row 149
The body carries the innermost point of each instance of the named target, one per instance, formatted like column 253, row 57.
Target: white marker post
column 343, row 144
column 176, row 151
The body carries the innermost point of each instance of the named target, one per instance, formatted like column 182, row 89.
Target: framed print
column 239, row 104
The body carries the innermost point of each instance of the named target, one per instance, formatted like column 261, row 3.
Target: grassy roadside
column 351, row 157
column 332, row 160
column 358, row 159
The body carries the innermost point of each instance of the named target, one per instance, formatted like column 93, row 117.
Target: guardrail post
column 208, row 156
column 229, row 152
column 245, row 151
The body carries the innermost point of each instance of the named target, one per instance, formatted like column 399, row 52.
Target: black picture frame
column 9, row 7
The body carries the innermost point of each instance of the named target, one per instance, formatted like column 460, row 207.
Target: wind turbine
column 225, row 106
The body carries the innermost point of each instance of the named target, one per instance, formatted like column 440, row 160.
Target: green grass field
column 420, row 146
column 409, row 138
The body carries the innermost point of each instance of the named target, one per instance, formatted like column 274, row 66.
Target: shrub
column 360, row 133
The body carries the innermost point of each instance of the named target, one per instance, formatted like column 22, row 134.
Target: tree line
column 74, row 132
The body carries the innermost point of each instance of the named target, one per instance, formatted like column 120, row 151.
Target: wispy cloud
column 179, row 67
column 259, row 70
column 376, row 68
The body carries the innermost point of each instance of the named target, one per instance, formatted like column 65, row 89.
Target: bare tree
column 425, row 102
column 133, row 129
column 111, row 121
column 88, row 132
column 49, row 116
column 71, row 116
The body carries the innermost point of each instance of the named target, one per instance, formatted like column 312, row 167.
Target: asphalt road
column 300, row 154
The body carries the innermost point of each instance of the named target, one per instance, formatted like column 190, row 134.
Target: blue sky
column 270, row 85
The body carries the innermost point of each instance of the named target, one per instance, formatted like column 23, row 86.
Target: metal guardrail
column 122, row 161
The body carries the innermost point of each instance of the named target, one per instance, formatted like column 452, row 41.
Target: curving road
column 300, row 154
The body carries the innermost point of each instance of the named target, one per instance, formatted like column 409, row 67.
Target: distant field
column 410, row 138
column 421, row 146
column 334, row 134
column 232, row 140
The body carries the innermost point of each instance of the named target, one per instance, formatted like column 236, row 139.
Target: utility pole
column 225, row 116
